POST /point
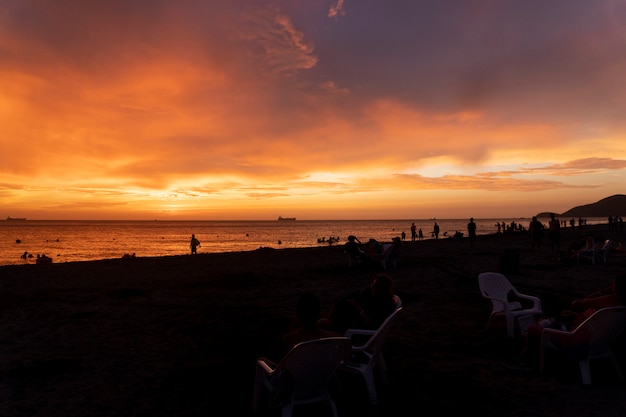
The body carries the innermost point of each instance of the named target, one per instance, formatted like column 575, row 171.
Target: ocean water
column 72, row 241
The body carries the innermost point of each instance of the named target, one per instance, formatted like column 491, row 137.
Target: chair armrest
column 535, row 300
column 576, row 341
column 268, row 366
column 547, row 336
column 360, row 332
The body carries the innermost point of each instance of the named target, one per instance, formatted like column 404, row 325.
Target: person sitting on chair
column 305, row 326
column 396, row 251
column 303, row 329
column 365, row 309
column 353, row 248
column 579, row 311
column 374, row 247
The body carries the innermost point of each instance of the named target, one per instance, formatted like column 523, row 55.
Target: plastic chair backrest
column 604, row 326
column 311, row 364
column 398, row 301
column 378, row 338
column 495, row 285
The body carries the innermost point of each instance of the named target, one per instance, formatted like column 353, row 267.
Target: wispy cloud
column 336, row 10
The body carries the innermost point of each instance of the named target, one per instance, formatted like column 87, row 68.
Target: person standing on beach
column 436, row 230
column 194, row 244
column 536, row 233
column 413, row 232
column 554, row 232
column 471, row 231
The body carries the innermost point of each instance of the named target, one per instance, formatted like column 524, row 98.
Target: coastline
column 178, row 335
column 75, row 241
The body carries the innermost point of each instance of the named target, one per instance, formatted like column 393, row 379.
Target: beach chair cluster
column 306, row 374
column 599, row 252
column 590, row 340
column 386, row 257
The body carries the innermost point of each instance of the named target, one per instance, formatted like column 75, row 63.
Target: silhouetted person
column 194, row 244
column 305, row 327
column 364, row 309
column 536, row 233
column 554, row 232
column 353, row 248
column 471, row 231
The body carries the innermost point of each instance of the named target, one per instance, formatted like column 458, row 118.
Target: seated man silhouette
column 366, row 308
column 353, row 248
column 305, row 327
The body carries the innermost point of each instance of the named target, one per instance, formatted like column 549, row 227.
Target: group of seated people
column 579, row 310
column 585, row 247
column 366, row 308
column 372, row 250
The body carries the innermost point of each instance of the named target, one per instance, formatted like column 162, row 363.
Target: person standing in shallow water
column 194, row 244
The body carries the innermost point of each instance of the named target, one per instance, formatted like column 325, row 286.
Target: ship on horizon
column 286, row 218
column 16, row 218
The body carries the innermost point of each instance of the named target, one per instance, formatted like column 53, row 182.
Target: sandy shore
column 178, row 336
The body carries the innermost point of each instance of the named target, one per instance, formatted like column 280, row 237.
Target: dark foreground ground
column 179, row 336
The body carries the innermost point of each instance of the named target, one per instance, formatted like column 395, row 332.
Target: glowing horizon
column 207, row 110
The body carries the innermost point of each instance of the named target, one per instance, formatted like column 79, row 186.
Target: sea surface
column 73, row 241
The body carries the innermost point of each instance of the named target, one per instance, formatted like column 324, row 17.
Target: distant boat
column 286, row 218
column 16, row 218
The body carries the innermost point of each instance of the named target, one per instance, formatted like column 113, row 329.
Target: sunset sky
column 315, row 109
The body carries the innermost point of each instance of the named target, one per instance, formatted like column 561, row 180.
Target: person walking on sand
column 436, row 230
column 194, row 244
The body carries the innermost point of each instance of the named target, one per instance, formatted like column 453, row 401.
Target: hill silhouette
column 614, row 205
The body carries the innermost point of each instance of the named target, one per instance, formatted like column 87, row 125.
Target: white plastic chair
column 384, row 257
column 592, row 339
column 398, row 301
column 380, row 257
column 606, row 249
column 591, row 254
column 303, row 376
column 507, row 302
column 365, row 358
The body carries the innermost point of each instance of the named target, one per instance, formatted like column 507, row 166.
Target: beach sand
column 179, row 336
